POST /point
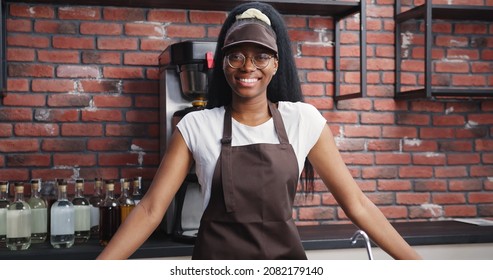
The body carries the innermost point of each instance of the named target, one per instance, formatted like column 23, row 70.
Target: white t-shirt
column 203, row 130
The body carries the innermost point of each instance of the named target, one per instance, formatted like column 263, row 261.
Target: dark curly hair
column 284, row 86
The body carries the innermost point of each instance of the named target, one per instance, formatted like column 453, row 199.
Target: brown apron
column 249, row 215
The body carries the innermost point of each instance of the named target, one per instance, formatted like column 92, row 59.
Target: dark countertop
column 313, row 238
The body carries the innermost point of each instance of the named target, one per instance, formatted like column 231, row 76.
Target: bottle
column 4, row 205
column 19, row 221
column 126, row 202
column 137, row 190
column 109, row 215
column 39, row 213
column 96, row 200
column 62, row 233
column 82, row 210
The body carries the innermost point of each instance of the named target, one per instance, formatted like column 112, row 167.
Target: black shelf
column 336, row 9
column 429, row 12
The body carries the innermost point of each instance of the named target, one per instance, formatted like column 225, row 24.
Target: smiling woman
column 249, row 149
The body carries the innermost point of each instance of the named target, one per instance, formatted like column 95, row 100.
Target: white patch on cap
column 254, row 13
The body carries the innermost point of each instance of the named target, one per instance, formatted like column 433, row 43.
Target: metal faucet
column 363, row 234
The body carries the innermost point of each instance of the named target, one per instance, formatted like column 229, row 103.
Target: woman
column 249, row 148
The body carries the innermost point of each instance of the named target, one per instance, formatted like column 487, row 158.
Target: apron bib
column 249, row 215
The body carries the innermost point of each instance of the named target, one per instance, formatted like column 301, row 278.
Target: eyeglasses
column 237, row 60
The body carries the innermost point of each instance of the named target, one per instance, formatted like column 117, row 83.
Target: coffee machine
column 184, row 72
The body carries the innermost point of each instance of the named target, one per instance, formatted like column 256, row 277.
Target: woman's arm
column 328, row 163
column 147, row 215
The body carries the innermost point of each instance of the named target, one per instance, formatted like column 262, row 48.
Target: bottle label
column 94, row 216
column 62, row 221
column 18, row 223
column 3, row 221
column 39, row 220
column 82, row 217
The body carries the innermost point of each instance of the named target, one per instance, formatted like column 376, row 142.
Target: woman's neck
column 252, row 113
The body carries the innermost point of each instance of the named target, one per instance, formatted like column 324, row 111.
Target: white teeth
column 248, row 80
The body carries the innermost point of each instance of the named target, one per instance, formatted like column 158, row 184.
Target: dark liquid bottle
column 109, row 215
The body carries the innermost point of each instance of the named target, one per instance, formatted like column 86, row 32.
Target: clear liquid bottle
column 82, row 228
column 137, row 190
column 96, row 200
column 110, row 218
column 4, row 205
column 126, row 202
column 62, row 233
column 19, row 221
column 39, row 213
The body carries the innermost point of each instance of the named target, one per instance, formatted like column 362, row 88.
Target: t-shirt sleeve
column 187, row 126
column 312, row 124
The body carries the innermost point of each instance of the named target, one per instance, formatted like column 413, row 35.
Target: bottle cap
column 79, row 183
column 19, row 187
column 110, row 185
column 3, row 187
column 62, row 185
column 35, row 184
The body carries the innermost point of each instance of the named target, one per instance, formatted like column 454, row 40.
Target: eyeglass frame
column 226, row 57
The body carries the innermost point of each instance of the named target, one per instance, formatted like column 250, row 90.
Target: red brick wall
column 82, row 100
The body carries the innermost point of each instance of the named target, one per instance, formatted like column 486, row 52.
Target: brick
column 78, row 43
column 63, row 145
column 142, row 117
column 392, row 158
column 18, row 145
column 451, row 67
column 381, row 198
column 118, row 159
column 460, row 210
column 123, row 72
column 393, row 185
column 310, row 63
column 29, row 11
column 379, row 172
column 413, row 119
column 108, row 144
column 18, row 25
column 468, row 80
column 312, row 90
column 315, row 76
column 5, row 130
column 394, row 212
column 430, row 185
column 58, row 56
column 56, row 27
column 389, row 105
column 126, row 130
column 7, row 174
column 151, row 145
column 75, row 71
column 15, row 114
column 30, row 70
column 399, row 132
column 144, row 29
column 150, row 44
column 451, row 41
column 415, row 172
column 480, row 197
column 30, row 41
column 412, row 198
column 411, row 66
column 383, row 145
column 74, row 159
column 21, row 55
column 481, row 119
column 54, row 173
column 123, row 14
column 159, row 15
column 450, row 172
column 429, row 159
column 56, row 115
column 28, row 160
column 363, row 131
column 341, row 117
column 111, row 101
column 462, row 159
column 95, row 57
column 481, row 67
column 485, row 210
column 350, row 144
column 448, row 198
column 86, row 130
column 357, row 158
column 426, row 211
column 481, row 171
column 69, row 100
column 141, row 58
column 17, row 84
column 416, row 145
column 29, row 100
column 317, row 213
column 101, row 116
column 465, row 185
column 59, row 85
column 79, row 12
column 317, row 50
column 487, row 158
column 470, row 28
column 427, row 106
column 152, row 74
column 36, row 130
column 455, row 146
column 449, row 120
column 377, row 118
column 185, row 31
column 435, row 133
column 99, row 86
column 311, row 200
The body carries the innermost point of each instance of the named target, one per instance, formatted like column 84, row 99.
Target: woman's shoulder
column 205, row 114
column 298, row 108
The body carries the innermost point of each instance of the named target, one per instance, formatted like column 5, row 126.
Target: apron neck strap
column 276, row 116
